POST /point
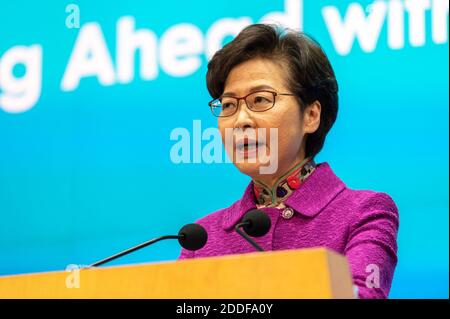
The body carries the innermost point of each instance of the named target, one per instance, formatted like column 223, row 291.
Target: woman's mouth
column 247, row 148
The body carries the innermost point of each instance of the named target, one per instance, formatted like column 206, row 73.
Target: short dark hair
column 310, row 75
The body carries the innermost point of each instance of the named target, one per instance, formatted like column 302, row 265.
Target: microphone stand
column 246, row 237
column 101, row 262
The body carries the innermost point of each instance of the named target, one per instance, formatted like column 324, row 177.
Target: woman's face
column 263, row 74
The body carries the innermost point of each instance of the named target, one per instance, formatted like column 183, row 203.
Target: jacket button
column 287, row 213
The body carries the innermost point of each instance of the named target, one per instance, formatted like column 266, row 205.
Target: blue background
column 87, row 173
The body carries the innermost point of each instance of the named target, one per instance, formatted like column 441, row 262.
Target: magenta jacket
column 360, row 224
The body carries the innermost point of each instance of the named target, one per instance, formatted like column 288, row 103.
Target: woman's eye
column 260, row 99
column 226, row 105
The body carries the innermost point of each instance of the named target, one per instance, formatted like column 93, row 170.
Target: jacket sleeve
column 372, row 246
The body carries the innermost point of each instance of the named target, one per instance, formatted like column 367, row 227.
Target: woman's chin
column 250, row 169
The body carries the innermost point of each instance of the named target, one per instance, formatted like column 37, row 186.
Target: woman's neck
column 283, row 186
column 273, row 179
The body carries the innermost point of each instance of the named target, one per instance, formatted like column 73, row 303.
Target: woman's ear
column 311, row 117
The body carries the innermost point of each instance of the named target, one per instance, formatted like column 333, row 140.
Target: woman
column 267, row 78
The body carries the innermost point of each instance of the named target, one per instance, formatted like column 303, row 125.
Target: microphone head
column 192, row 237
column 257, row 223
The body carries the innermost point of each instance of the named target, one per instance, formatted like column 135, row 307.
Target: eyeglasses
column 259, row 101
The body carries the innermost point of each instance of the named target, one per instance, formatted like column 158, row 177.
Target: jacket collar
column 319, row 189
column 284, row 186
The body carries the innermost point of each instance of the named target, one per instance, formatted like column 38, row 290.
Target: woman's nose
column 244, row 117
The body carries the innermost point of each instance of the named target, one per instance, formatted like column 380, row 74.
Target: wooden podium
column 304, row 273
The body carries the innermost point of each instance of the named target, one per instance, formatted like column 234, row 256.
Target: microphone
column 190, row 237
column 256, row 223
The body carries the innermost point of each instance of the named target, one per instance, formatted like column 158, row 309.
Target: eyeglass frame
column 238, row 99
